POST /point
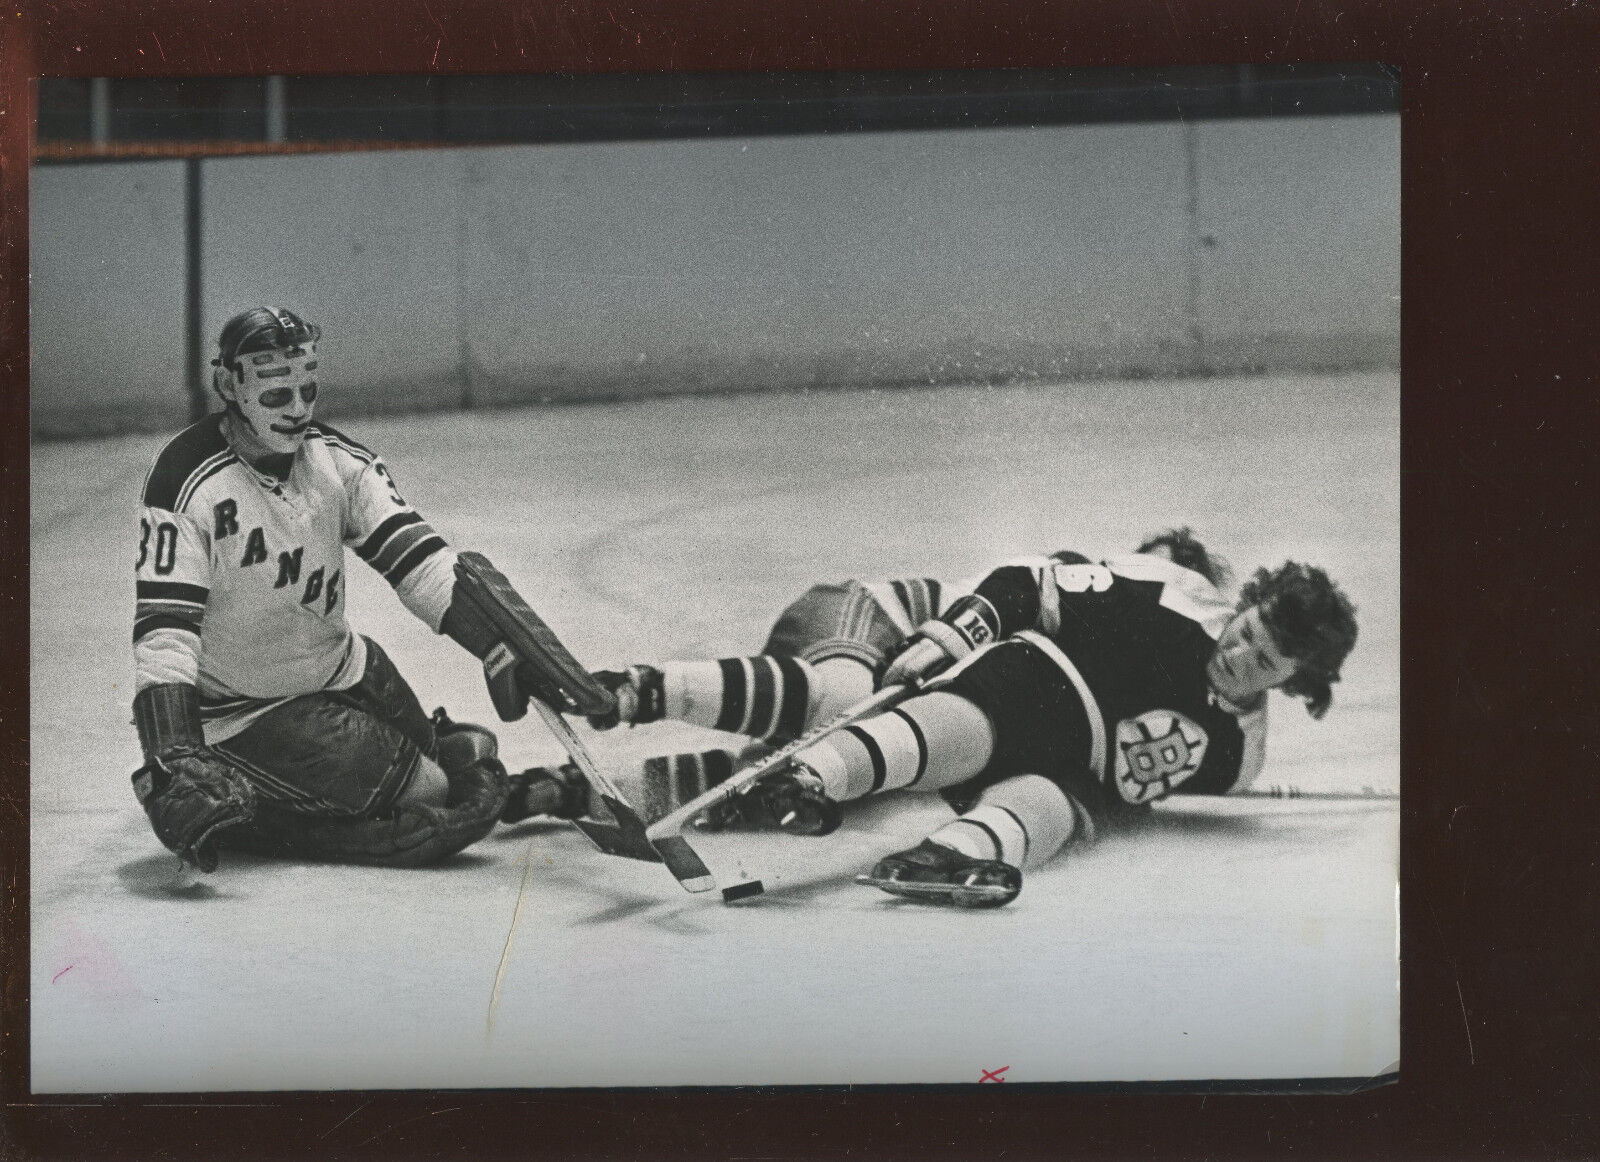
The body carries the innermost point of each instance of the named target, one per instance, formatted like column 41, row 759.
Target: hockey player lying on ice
column 265, row 722
column 1072, row 694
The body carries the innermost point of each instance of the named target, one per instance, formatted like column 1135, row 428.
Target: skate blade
column 956, row 895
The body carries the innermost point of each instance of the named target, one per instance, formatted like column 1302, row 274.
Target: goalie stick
column 666, row 833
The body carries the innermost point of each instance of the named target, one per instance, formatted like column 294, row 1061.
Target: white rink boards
column 1231, row 939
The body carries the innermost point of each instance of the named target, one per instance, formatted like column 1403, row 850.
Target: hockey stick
column 624, row 834
column 666, row 833
column 1288, row 791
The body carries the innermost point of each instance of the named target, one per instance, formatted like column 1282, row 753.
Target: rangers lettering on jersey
column 240, row 573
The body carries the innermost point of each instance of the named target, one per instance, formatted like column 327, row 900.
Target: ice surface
column 1231, row 939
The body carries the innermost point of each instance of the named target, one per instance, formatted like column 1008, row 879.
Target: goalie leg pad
column 412, row 836
column 385, row 694
column 320, row 756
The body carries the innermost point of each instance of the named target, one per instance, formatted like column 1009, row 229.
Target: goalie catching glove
column 522, row 657
column 190, row 794
column 969, row 623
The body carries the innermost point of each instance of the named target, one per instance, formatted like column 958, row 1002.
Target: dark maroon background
column 1501, row 158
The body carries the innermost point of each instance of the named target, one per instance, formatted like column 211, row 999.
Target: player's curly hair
column 1312, row 622
column 1185, row 549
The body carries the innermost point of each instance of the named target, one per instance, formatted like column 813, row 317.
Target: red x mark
column 993, row 1075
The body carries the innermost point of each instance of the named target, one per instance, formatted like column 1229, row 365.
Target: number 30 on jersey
column 166, row 545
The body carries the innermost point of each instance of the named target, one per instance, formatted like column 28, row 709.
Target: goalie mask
column 266, row 372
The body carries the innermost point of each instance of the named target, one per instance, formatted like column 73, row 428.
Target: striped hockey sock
column 838, row 683
column 1022, row 821
column 760, row 696
column 670, row 781
column 932, row 741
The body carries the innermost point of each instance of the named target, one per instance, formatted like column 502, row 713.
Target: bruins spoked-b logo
column 1155, row 752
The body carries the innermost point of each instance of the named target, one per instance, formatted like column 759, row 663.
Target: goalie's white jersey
column 241, row 575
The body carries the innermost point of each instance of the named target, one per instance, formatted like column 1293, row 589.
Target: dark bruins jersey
column 1133, row 634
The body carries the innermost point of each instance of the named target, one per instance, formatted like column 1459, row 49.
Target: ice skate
column 932, row 873
column 790, row 799
column 640, row 696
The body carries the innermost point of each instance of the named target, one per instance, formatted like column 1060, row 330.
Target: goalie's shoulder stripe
column 187, row 461
column 334, row 438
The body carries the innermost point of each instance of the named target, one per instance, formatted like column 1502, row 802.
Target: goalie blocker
column 523, row 659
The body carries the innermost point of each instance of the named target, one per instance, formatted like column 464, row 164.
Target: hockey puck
column 740, row 891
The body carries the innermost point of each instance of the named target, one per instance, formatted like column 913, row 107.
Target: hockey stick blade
column 630, row 828
column 605, row 836
column 666, row 833
column 684, row 864
column 624, row 833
